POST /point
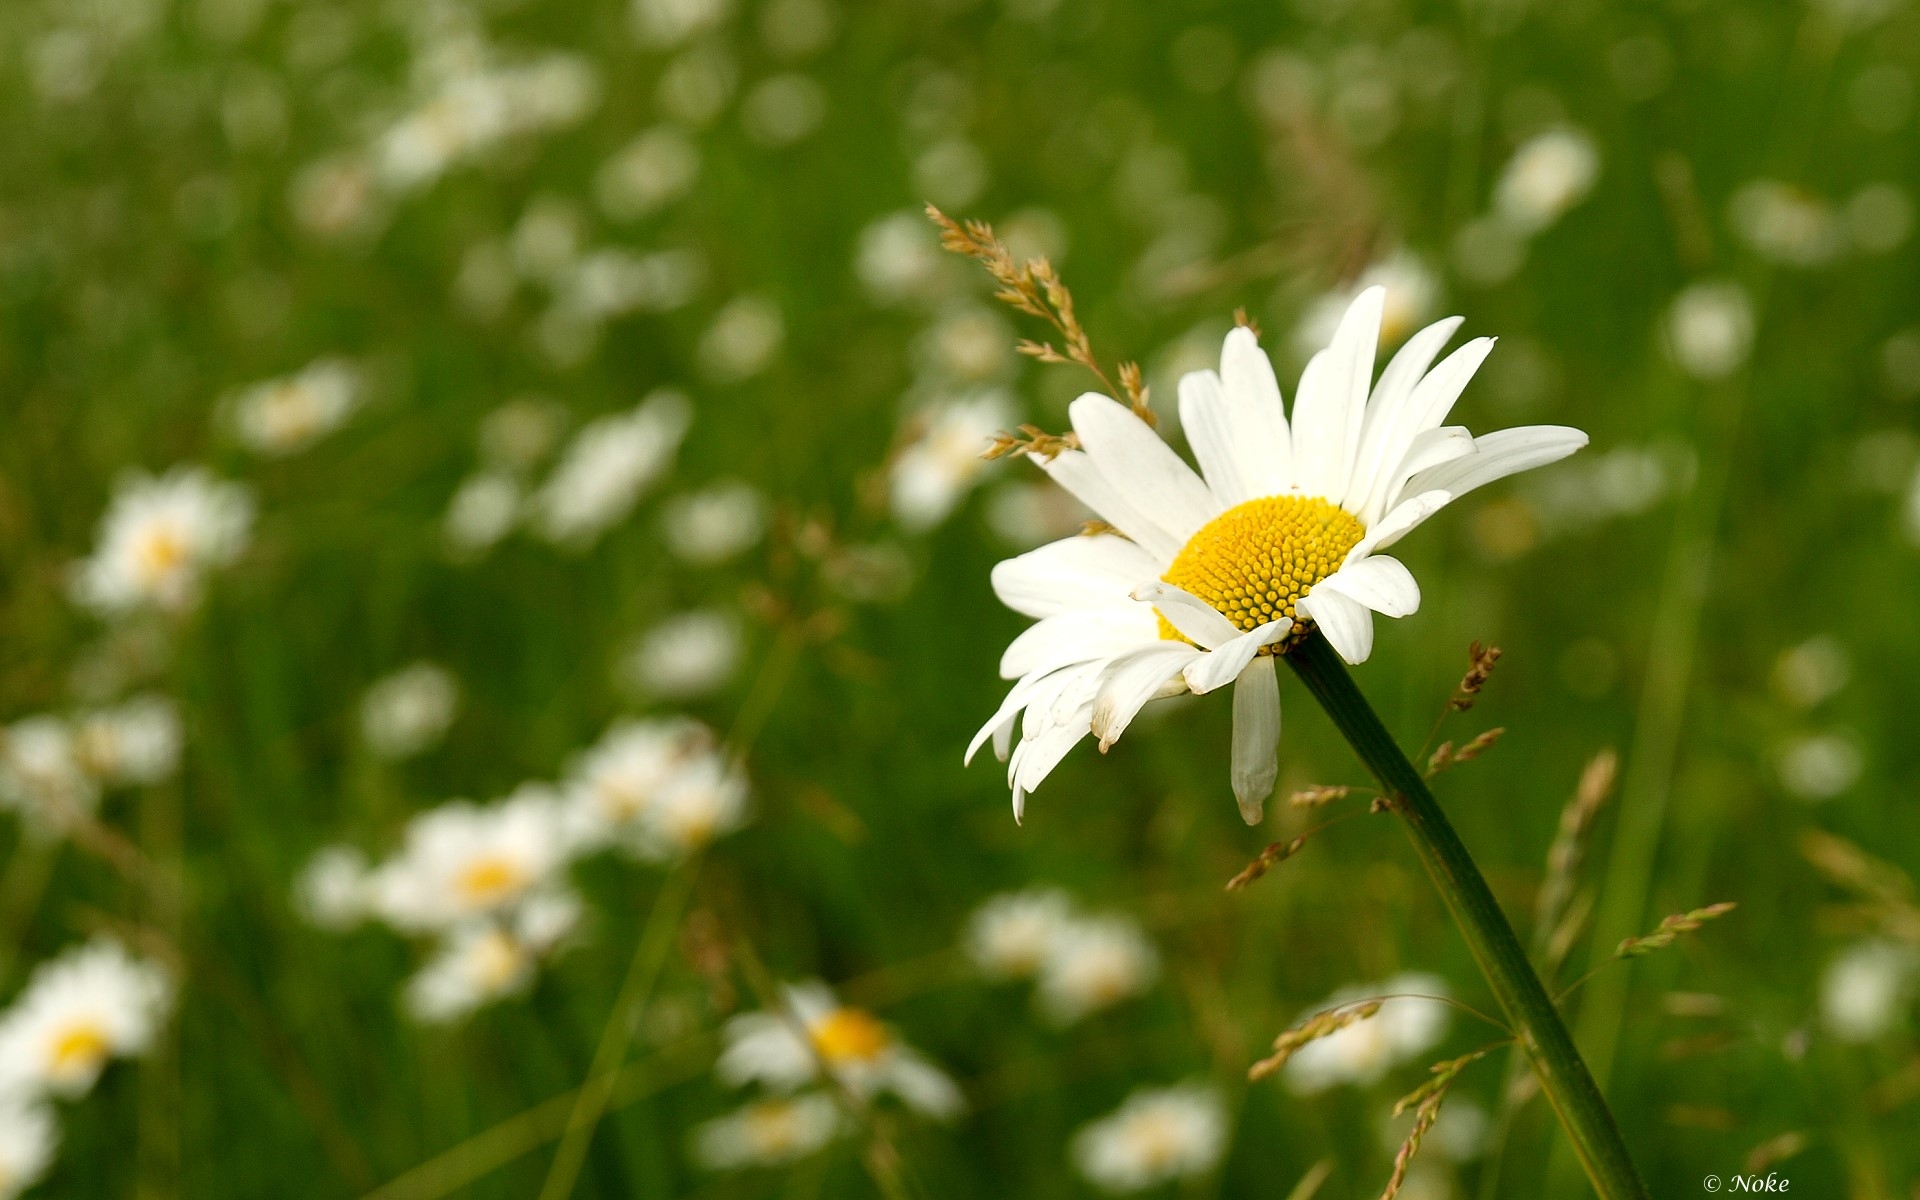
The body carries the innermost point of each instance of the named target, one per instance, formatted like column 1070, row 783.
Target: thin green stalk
column 1536, row 1023
column 649, row 958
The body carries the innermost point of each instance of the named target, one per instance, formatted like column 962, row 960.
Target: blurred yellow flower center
column 161, row 552
column 1156, row 1137
column 490, row 879
column 497, row 961
column 771, row 1127
column 1253, row 562
column 79, row 1049
column 849, row 1035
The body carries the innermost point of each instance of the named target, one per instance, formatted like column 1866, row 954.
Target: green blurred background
column 195, row 199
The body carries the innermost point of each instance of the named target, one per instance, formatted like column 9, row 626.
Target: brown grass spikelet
column 1482, row 660
column 1886, row 893
column 1671, row 928
column 1774, row 1151
column 1035, row 288
column 1318, row 796
column 1096, row 528
column 1569, row 849
column 1319, row 1025
column 1275, row 853
column 1243, row 321
column 1031, row 439
column 1450, row 756
column 1425, row 1100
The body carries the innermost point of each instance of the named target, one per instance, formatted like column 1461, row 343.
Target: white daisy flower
column 715, row 523
column 1867, row 990
column 332, row 890
column 43, row 777
column 1156, row 1137
column 606, row 467
column 1012, row 935
column 785, row 1051
column 92, row 1003
column 1095, row 963
column 484, row 509
column 769, row 1133
column 132, row 744
column 483, row 962
column 1210, row 575
column 158, row 538
column 935, row 471
column 613, row 786
column 706, row 799
column 285, row 416
column 410, row 710
column 1549, row 174
column 1407, row 1025
column 687, row 655
column 1709, row 329
column 28, row 1139
column 462, row 861
column 653, row 170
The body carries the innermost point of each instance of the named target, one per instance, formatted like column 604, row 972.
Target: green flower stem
column 1563, row 1077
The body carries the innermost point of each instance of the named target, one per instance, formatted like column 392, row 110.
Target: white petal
column 1399, row 522
column 1071, row 637
column 999, row 726
column 1074, row 471
column 1428, row 450
column 1132, row 681
column 1075, row 572
column 1141, row 466
column 1261, row 441
column 924, row 1086
column 1256, row 737
column 1034, row 760
column 1500, row 454
column 1347, row 623
column 1224, row 664
column 1197, row 620
column 1389, row 401
column 1382, row 584
column 1328, row 412
column 1432, row 399
column 1209, row 429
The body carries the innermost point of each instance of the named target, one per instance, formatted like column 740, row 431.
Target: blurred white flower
column 410, row 710
column 336, row 198
column 480, row 963
column 768, row 1133
column 743, row 340
column 28, row 1139
column 1879, row 217
column 477, row 107
column 967, row 344
column 1867, row 989
column 606, row 467
column 1025, row 515
column 715, row 523
column 670, row 22
column 1549, row 174
column 953, row 172
column 783, row 109
column 285, row 416
column 1812, row 671
column 941, row 464
column 1412, row 292
column 1709, row 329
column 648, row 173
column 91, row 1003
column 333, row 890
column 694, row 88
column 483, row 510
column 899, row 258
column 685, row 656
column 1787, row 224
column 786, row 1050
column 42, row 776
column 159, row 537
column 1819, row 766
column 609, row 283
column 1012, row 935
column 134, row 743
column 520, row 434
column 1096, row 962
column 1406, row 1026
column 699, row 803
column 1156, row 1137
column 547, row 240
column 461, row 861
column 613, row 787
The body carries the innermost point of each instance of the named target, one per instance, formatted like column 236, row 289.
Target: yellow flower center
column 79, row 1050
column 1156, row 1137
column 161, row 553
column 849, row 1035
column 490, row 879
column 771, row 1127
column 1253, row 562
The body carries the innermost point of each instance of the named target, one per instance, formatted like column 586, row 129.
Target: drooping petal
column 1196, row 620
column 1401, row 520
column 1071, row 637
column 1432, row 399
column 1347, row 623
column 1035, row 759
column 1137, row 462
column 1075, row 572
column 1132, row 681
column 1209, row 429
column 1331, row 406
column 1428, row 450
column 1387, row 405
column 1224, row 664
column 1256, row 737
column 1381, row 583
column 1076, row 472
column 1500, row 454
column 1262, row 442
